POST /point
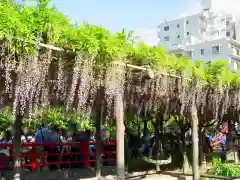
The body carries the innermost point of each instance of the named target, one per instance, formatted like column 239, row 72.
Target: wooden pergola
column 120, row 130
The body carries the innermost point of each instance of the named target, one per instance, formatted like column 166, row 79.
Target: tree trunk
column 161, row 154
column 139, row 129
column 17, row 146
column 157, row 152
column 98, row 136
column 202, row 159
column 144, row 128
column 99, row 144
column 186, row 166
column 158, row 144
column 183, row 151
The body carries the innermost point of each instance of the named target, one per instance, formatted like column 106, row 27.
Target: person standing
column 48, row 136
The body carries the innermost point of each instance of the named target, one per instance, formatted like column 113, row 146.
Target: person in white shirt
column 26, row 139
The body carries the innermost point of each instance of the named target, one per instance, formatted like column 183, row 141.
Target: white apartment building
column 205, row 35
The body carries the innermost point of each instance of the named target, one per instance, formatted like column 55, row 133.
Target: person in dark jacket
column 49, row 136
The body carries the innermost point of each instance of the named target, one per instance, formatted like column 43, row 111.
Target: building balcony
column 235, row 59
column 213, row 27
column 203, row 24
column 210, row 27
column 204, row 15
column 176, row 48
column 178, row 54
column 235, row 54
column 234, row 42
column 213, row 15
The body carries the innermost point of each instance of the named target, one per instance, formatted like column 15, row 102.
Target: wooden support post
column 99, row 120
column 34, row 157
column 86, row 154
column 120, row 136
column 195, row 139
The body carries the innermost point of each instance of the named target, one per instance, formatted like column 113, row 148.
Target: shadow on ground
column 137, row 169
column 70, row 174
column 89, row 174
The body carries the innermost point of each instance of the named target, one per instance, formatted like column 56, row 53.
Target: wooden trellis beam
column 148, row 69
column 52, row 47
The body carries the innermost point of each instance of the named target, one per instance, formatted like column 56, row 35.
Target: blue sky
column 140, row 15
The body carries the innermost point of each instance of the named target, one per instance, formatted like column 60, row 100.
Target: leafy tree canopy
column 29, row 23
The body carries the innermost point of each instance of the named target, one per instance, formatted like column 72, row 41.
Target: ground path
column 108, row 174
column 89, row 174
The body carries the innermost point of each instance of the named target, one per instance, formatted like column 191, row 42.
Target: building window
column 178, row 55
column 228, row 34
column 178, row 26
column 166, row 38
column 202, row 31
column 222, row 21
column 238, row 65
column 187, row 22
column 166, row 28
column 178, row 36
column 202, row 51
column 237, row 52
column 227, row 22
column 216, row 49
column 189, row 54
column 208, row 62
column 215, row 33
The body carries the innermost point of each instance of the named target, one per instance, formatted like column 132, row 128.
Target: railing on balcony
column 176, row 46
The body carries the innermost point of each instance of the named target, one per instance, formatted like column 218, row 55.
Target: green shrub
column 224, row 169
column 6, row 118
column 51, row 116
